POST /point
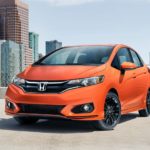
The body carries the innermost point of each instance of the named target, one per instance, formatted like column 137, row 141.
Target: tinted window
column 136, row 59
column 122, row 56
column 115, row 63
column 85, row 55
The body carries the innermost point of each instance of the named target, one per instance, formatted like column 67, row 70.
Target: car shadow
column 59, row 126
column 128, row 117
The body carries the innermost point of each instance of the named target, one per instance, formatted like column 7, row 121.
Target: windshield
column 83, row 55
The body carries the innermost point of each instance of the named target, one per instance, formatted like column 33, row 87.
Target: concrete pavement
column 133, row 133
column 2, row 92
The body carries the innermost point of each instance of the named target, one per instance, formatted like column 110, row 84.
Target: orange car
column 96, row 83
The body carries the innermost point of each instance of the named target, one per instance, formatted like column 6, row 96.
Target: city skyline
column 14, row 24
column 15, row 54
column 92, row 22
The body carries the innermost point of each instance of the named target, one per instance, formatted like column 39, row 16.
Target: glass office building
column 34, row 45
column 11, row 61
column 52, row 45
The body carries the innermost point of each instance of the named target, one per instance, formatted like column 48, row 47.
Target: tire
column 112, row 113
column 26, row 120
column 146, row 112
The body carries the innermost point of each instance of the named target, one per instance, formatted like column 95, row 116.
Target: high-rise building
column 1, row 42
column 11, row 61
column 14, row 22
column 52, row 45
column 34, row 45
column 40, row 55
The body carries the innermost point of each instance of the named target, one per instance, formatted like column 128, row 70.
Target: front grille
column 41, row 109
column 50, row 87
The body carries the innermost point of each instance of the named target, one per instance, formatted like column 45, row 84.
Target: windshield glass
column 83, row 55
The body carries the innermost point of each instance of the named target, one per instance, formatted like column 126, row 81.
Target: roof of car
column 113, row 45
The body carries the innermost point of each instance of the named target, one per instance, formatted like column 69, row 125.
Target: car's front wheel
column 146, row 112
column 26, row 120
column 112, row 111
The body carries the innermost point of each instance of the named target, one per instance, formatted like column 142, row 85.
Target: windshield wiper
column 82, row 64
column 42, row 64
column 71, row 64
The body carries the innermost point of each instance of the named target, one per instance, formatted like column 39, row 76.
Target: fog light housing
column 10, row 105
column 84, row 108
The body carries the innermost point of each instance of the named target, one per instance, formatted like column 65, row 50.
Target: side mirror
column 127, row 66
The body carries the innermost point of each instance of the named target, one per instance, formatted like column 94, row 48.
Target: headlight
column 18, row 81
column 86, row 81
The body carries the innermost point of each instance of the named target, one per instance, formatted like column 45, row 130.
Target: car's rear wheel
column 26, row 120
column 146, row 112
column 112, row 112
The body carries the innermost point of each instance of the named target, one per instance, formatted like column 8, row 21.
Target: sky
column 76, row 22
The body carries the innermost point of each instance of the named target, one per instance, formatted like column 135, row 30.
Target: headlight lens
column 86, row 81
column 18, row 81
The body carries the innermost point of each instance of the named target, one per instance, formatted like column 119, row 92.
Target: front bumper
column 94, row 95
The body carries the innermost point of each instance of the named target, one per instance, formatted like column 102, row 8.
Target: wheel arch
column 113, row 90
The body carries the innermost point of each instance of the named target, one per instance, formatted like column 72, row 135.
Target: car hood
column 60, row 72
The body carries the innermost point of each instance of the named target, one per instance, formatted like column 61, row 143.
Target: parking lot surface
column 133, row 133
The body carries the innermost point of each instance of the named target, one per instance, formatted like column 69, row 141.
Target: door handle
column 134, row 75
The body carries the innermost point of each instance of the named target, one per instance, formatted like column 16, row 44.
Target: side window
column 136, row 59
column 122, row 56
column 115, row 63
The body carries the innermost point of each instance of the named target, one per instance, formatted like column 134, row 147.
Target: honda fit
column 96, row 83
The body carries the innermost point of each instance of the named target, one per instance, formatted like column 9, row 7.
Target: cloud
column 69, row 2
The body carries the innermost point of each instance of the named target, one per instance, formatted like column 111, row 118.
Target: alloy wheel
column 112, row 111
